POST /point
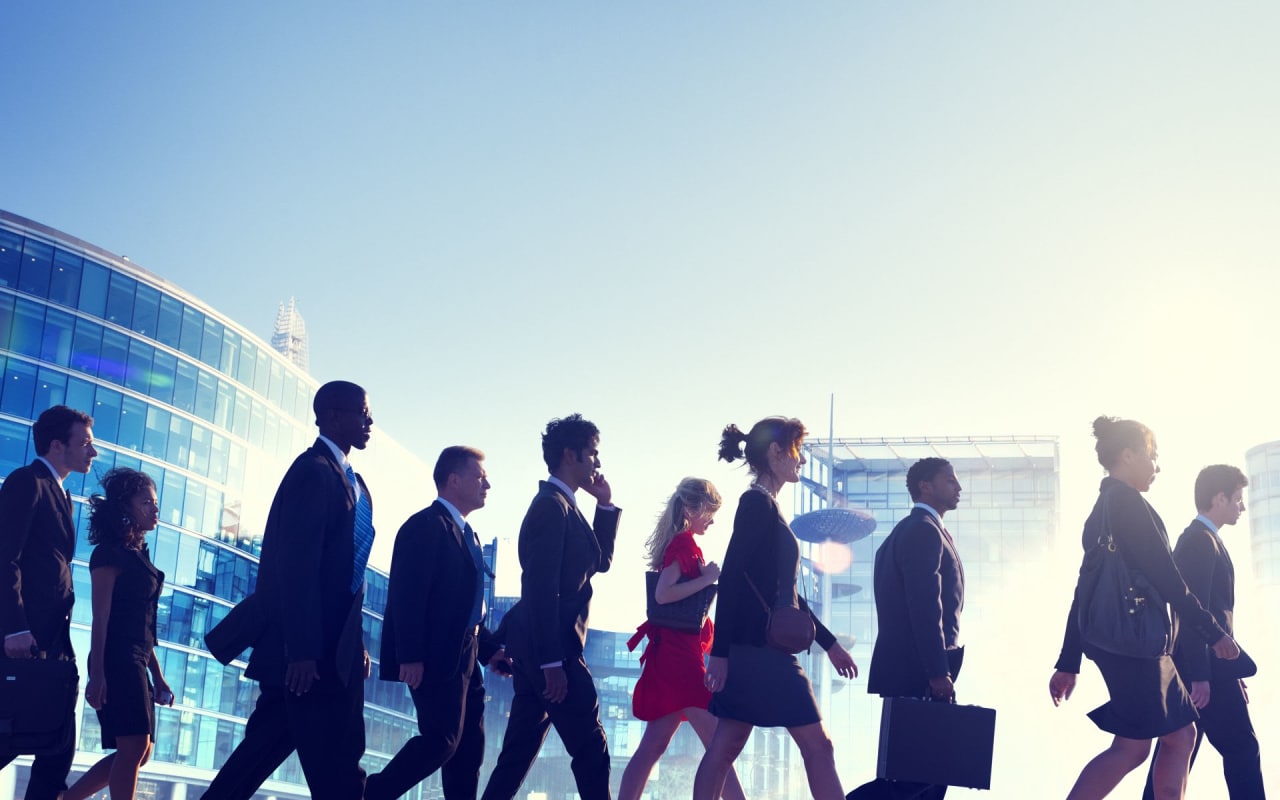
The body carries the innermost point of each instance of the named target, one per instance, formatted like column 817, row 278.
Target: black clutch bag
column 685, row 615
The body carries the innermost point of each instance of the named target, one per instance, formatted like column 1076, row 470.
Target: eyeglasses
column 363, row 412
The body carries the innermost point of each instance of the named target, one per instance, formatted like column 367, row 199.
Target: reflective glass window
column 10, row 258
column 172, row 495
column 262, row 374
column 224, row 406
column 193, row 509
column 206, row 396
column 146, row 310
column 93, row 288
column 248, row 361
column 6, row 319
column 230, row 352
column 64, row 286
column 164, row 367
column 37, row 265
column 211, row 346
column 80, row 396
column 240, row 420
column 120, row 299
column 137, row 374
column 192, row 331
column 184, row 574
column 86, row 344
column 19, row 388
column 51, row 390
column 198, row 461
column 28, row 327
column 179, row 443
column 114, row 358
column 155, row 440
column 271, row 435
column 235, row 467
column 211, row 525
column 13, row 445
column 81, row 612
column 277, row 384
column 130, row 461
column 184, row 387
column 257, row 424
column 169, row 323
column 133, row 423
column 219, row 454
column 83, row 548
column 55, row 346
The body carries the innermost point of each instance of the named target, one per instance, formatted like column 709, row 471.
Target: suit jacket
column 430, row 596
column 919, row 589
column 559, row 552
column 308, row 611
column 1209, row 574
column 37, row 542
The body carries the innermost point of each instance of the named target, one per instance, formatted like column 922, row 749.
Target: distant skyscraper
column 1263, row 501
column 290, row 336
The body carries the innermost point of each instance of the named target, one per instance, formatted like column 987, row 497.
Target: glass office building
column 214, row 415
column 1263, row 468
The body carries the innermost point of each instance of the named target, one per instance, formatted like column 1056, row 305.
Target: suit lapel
column 322, row 450
column 583, row 525
column 57, row 497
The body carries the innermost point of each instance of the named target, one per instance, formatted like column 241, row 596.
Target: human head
column 933, row 481
column 342, row 414
column 461, row 479
column 780, row 435
column 64, row 438
column 1220, row 493
column 126, row 509
column 570, row 449
column 1127, row 450
column 690, row 507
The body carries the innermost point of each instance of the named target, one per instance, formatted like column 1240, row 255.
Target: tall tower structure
column 290, row 336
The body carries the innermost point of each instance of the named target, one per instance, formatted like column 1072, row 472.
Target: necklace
column 765, row 489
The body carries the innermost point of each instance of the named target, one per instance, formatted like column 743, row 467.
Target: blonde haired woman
column 672, row 687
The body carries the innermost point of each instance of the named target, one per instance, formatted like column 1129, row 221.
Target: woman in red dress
column 672, row 684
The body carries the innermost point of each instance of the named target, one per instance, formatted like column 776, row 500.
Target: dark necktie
column 477, row 556
column 363, row 532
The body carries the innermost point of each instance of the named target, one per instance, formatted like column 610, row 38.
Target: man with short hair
column 547, row 628
column 1217, row 691
column 37, row 543
column 434, row 637
column 304, row 618
column 919, row 594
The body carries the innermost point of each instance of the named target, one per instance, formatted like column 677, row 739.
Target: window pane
column 133, row 423
column 93, row 289
column 51, row 390
column 240, row 420
column 262, row 374
column 184, row 388
column 10, row 259
column 155, row 441
column 211, row 346
column 56, row 344
column 28, row 328
column 120, row 299
column 175, row 491
column 6, row 319
column 146, row 310
column 106, row 415
column 164, row 367
column 192, row 331
column 230, row 352
column 138, row 373
column 19, row 389
column 248, row 360
column 80, row 397
column 179, row 445
column 198, row 461
column 85, row 346
column 193, row 510
column 169, row 325
column 37, row 265
column 65, row 286
column 114, row 356
column 225, row 404
column 13, row 445
column 206, row 396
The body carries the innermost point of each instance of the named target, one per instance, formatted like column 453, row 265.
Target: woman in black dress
column 1147, row 698
column 126, row 590
column 752, row 683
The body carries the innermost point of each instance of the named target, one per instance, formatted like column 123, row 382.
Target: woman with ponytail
column 752, row 683
column 673, row 669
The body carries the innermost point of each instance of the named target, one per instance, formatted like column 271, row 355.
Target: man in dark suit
column 308, row 654
column 919, row 592
column 547, row 628
column 433, row 634
column 1219, row 694
column 37, row 542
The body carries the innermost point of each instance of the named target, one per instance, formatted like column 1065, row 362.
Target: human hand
column 499, row 663
column 1226, row 649
column 942, row 689
column 599, row 488
column 842, row 661
column 1200, row 694
column 368, row 665
column 160, row 691
column 299, row 676
column 717, row 673
column 411, row 674
column 19, row 645
column 557, row 684
column 1061, row 685
column 95, row 692
column 711, row 571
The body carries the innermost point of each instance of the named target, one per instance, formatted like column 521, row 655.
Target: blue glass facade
column 1263, row 502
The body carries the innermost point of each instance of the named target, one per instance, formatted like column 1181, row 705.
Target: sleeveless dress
column 673, row 666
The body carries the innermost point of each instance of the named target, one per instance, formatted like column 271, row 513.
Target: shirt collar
column 932, row 511
column 56, row 476
column 1208, row 523
column 453, row 512
column 564, row 487
column 337, row 452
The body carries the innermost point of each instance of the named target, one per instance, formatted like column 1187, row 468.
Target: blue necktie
column 473, row 544
column 363, row 532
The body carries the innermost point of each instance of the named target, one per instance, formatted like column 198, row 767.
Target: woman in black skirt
column 1147, row 698
column 126, row 590
column 752, row 683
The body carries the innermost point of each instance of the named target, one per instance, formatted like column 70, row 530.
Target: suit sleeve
column 919, row 561
column 413, row 572
column 1196, row 556
column 542, row 539
column 17, row 511
column 823, row 636
column 605, row 527
column 306, row 507
column 1072, row 650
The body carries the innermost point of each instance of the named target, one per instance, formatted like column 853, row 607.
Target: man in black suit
column 37, row 542
column 1219, row 695
column 433, row 634
column 308, row 654
column 547, row 628
column 919, row 591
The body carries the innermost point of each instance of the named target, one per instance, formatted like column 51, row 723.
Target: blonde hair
column 692, row 496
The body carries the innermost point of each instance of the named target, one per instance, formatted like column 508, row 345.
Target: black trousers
column 450, row 737
column 326, row 728
column 577, row 722
column 1225, row 722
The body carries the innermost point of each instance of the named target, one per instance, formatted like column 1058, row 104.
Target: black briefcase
column 37, row 704
column 938, row 743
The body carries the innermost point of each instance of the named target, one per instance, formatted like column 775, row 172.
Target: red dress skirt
column 673, row 666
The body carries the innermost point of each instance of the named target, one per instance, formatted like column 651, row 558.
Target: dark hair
column 788, row 432
column 110, row 519
column 1115, row 435
column 452, row 459
column 335, row 395
column 923, row 471
column 1217, row 478
column 573, row 432
column 54, row 425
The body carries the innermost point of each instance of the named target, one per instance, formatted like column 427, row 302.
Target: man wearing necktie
column 919, row 593
column 308, row 652
column 37, row 542
column 434, row 637
column 546, row 630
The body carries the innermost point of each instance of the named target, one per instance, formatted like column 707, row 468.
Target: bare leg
column 93, row 781
column 704, row 724
column 657, row 735
column 819, row 761
column 1109, row 767
column 727, row 742
column 1173, row 758
column 131, row 753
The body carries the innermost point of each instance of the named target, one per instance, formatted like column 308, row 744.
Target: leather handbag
column 687, row 615
column 789, row 629
column 37, row 705
column 1118, row 610
column 943, row 744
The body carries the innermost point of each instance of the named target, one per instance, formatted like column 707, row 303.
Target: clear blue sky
column 958, row 218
